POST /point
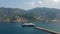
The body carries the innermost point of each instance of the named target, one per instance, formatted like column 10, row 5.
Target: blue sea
column 16, row 28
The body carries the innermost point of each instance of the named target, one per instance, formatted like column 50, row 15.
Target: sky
column 29, row 4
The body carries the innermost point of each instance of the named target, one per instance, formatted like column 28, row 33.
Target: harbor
column 38, row 28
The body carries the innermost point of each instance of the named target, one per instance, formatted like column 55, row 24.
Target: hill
column 38, row 14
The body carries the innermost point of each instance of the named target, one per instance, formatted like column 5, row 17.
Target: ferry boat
column 27, row 25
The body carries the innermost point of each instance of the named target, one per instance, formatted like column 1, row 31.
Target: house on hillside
column 21, row 19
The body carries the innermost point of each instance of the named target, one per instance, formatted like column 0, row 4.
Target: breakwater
column 46, row 30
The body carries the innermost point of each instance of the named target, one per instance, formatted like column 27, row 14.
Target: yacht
column 27, row 25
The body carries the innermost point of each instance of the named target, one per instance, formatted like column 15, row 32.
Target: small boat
column 27, row 25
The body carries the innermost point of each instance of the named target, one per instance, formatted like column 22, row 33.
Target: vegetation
column 36, row 14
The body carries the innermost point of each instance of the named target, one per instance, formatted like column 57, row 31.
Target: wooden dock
column 46, row 30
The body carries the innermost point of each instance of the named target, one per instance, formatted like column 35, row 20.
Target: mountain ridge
column 32, row 14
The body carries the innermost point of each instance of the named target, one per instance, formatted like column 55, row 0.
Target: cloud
column 30, row 4
column 33, row 4
column 37, row 3
column 40, row 2
column 56, row 1
column 43, row 3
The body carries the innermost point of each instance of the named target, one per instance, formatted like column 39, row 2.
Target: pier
column 46, row 30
